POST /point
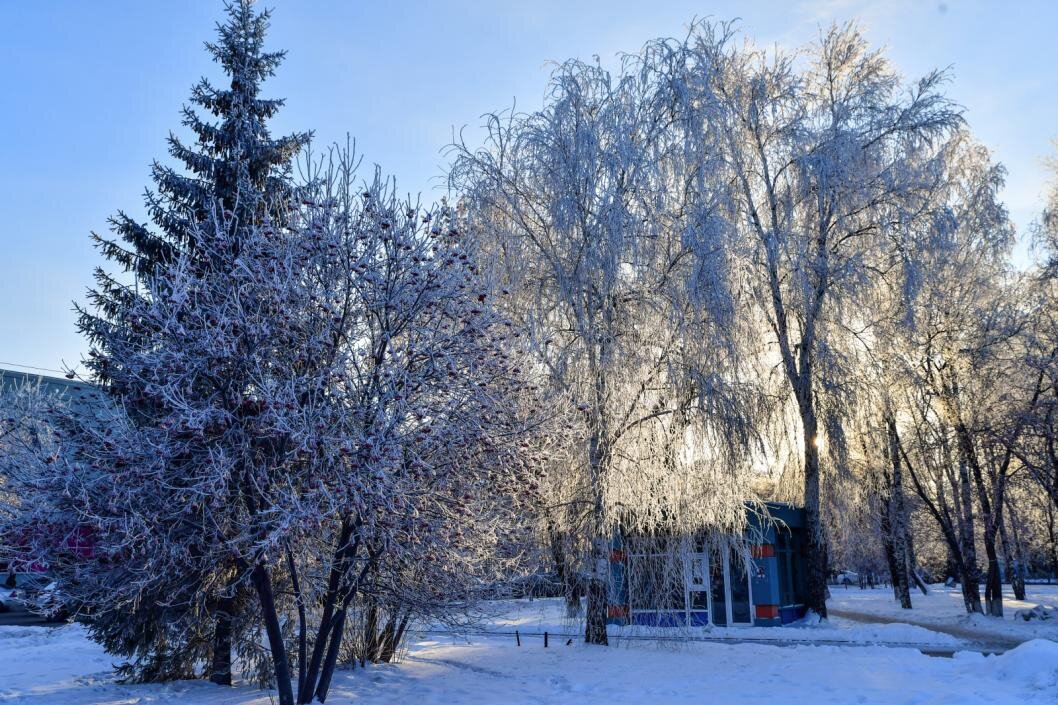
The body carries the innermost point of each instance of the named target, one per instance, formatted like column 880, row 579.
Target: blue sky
column 90, row 90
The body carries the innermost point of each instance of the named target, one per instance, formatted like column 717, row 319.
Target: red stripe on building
column 767, row 611
column 617, row 556
column 764, row 550
column 617, row 611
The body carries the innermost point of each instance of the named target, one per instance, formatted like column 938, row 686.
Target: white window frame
column 706, row 587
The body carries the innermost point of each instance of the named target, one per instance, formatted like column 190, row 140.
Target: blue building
column 692, row 581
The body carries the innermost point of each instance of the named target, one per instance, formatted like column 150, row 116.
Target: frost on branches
column 712, row 275
column 604, row 227
column 337, row 413
column 233, row 164
column 819, row 167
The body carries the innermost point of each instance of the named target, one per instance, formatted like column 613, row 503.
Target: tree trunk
column 331, row 660
column 993, row 582
column 1018, row 580
column 595, row 621
column 970, row 576
column 887, row 549
column 339, row 564
column 990, row 514
column 816, row 544
column 280, row 664
column 912, row 571
column 886, row 526
column 951, row 529
column 1012, row 558
column 333, row 639
column 1052, row 538
column 895, row 559
column 387, row 643
column 597, row 589
column 299, row 599
column 396, row 638
column 912, row 562
column 894, row 513
column 917, row 580
column 372, row 637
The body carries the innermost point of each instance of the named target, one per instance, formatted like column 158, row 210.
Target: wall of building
column 767, row 571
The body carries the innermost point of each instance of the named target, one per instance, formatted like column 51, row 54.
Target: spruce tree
column 233, row 166
column 230, row 153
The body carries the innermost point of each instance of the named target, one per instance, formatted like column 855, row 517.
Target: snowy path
column 532, row 619
column 792, row 636
column 942, row 612
column 987, row 641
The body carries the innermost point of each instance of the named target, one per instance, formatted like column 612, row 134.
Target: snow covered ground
column 547, row 615
column 59, row 666
column 943, row 608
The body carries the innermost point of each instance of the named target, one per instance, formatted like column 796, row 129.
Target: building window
column 656, row 582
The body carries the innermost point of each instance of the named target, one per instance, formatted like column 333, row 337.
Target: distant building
column 72, row 391
column 694, row 581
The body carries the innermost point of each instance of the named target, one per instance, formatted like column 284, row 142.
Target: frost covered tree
column 1046, row 228
column 92, row 479
column 232, row 149
column 1037, row 448
column 310, row 401
column 958, row 397
column 29, row 442
column 338, row 413
column 1038, row 451
column 234, row 165
column 592, row 206
column 153, row 474
column 819, row 155
column 418, row 463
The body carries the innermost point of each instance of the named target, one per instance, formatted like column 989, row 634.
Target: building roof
column 75, row 392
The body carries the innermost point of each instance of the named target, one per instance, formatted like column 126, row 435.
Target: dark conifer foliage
column 233, row 162
column 233, row 168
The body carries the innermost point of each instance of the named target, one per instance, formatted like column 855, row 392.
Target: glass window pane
column 697, row 572
column 656, row 583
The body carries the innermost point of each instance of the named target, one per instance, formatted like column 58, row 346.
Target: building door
column 718, row 589
column 732, row 603
column 739, row 602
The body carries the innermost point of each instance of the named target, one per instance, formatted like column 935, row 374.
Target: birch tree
column 818, row 153
column 592, row 207
column 953, row 340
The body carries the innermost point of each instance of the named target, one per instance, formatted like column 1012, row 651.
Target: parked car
column 35, row 592
column 847, row 577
